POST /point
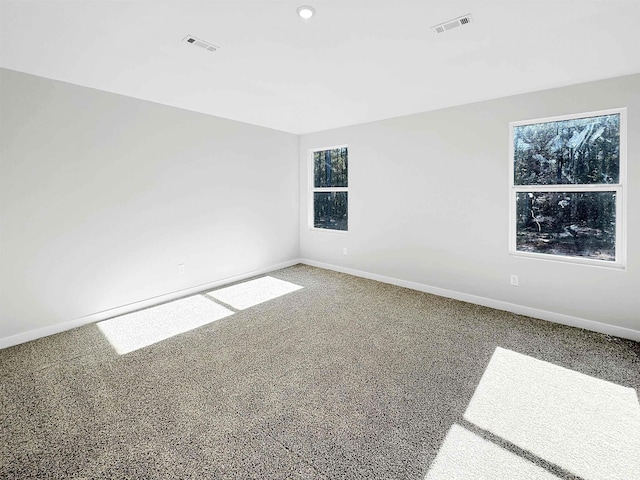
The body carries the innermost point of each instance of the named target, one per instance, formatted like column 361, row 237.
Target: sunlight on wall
column 152, row 325
column 253, row 292
column 465, row 455
column 587, row 426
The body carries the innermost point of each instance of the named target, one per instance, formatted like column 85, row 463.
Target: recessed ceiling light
column 305, row 11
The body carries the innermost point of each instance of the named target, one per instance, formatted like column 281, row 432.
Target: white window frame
column 313, row 189
column 619, row 188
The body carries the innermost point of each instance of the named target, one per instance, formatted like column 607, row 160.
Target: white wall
column 102, row 196
column 428, row 206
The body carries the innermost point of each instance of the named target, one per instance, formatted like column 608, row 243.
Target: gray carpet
column 345, row 378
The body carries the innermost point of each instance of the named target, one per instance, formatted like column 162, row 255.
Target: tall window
column 330, row 188
column 567, row 187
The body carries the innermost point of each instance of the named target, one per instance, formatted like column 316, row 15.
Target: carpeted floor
column 344, row 378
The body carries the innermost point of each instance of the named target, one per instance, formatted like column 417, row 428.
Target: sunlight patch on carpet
column 465, row 455
column 253, row 292
column 587, row 426
column 143, row 328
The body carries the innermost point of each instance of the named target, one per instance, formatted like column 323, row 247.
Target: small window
column 567, row 186
column 329, row 189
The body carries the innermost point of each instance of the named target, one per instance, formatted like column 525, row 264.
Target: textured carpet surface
column 344, row 378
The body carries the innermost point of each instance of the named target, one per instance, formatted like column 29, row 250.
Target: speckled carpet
column 344, row 378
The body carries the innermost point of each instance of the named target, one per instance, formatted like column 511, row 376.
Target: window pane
column 330, row 168
column 574, row 224
column 577, row 151
column 330, row 210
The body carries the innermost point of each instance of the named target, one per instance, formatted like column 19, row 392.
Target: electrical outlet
column 514, row 280
column 344, row 251
column 181, row 269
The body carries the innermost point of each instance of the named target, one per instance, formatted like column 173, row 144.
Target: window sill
column 328, row 230
column 570, row 260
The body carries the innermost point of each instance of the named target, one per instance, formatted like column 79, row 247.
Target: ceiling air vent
column 200, row 43
column 457, row 22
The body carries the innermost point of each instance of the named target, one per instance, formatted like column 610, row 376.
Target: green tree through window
column 330, row 189
column 567, row 185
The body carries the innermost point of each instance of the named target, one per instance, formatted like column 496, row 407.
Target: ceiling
column 353, row 62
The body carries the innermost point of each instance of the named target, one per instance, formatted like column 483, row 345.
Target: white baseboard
column 488, row 302
column 131, row 307
column 465, row 297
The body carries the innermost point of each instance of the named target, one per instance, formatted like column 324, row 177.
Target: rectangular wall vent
column 200, row 43
column 456, row 22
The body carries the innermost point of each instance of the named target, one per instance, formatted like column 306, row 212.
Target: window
column 567, row 188
column 329, row 189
